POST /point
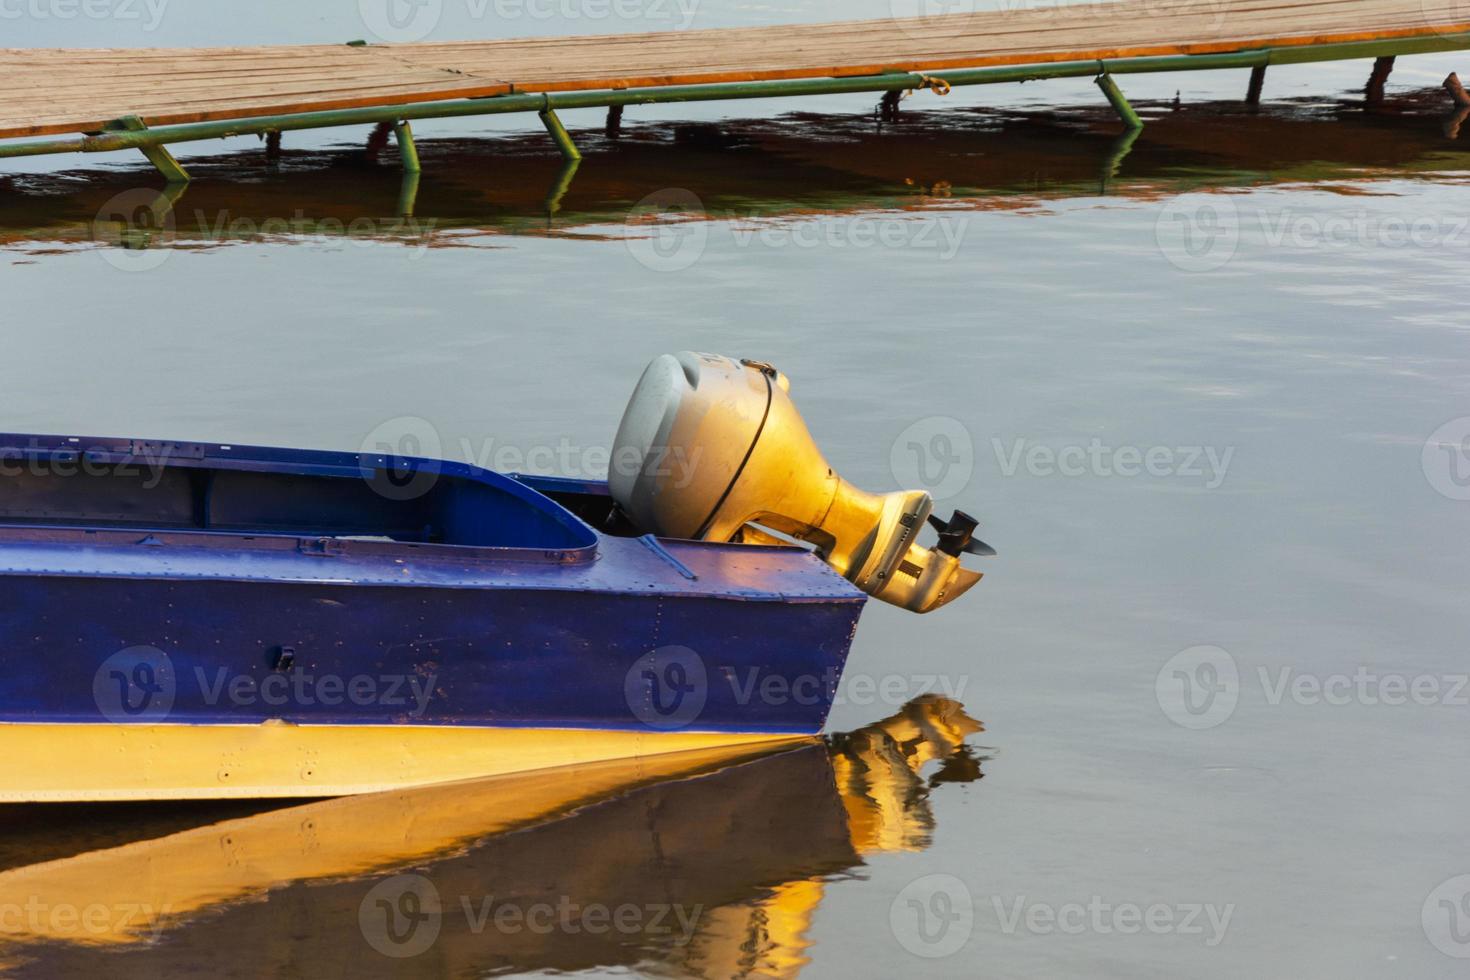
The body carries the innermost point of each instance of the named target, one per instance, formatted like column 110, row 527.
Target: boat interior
column 251, row 496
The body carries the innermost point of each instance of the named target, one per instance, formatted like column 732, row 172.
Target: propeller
column 958, row 535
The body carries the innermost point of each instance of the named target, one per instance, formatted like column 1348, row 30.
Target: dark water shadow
column 792, row 166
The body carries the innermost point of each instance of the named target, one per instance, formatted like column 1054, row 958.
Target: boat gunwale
column 807, row 580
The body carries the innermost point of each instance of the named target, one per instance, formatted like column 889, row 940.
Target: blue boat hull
column 184, row 621
column 210, row 652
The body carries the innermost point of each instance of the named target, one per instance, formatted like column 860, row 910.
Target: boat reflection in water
column 704, row 863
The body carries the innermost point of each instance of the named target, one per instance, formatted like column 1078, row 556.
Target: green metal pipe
column 1352, row 50
column 157, row 153
column 407, row 149
column 408, row 193
column 1119, row 102
column 1116, row 154
column 560, row 136
column 893, row 81
column 560, row 186
column 1189, row 62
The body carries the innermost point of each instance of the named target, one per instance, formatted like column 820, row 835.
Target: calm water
column 1208, row 399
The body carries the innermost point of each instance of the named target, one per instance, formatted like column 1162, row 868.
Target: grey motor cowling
column 713, row 449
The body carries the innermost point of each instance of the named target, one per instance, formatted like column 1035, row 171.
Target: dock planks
column 49, row 91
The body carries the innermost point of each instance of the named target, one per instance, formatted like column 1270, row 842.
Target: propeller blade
column 956, row 535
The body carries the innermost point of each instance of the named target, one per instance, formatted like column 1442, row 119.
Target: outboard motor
column 713, row 449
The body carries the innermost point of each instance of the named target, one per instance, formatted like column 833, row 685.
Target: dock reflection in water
column 706, row 863
column 794, row 167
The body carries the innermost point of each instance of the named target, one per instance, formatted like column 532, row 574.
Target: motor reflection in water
column 707, row 863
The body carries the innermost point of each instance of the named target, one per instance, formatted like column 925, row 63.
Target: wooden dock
column 133, row 92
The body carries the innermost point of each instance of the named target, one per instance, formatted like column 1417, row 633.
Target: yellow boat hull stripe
column 88, row 762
